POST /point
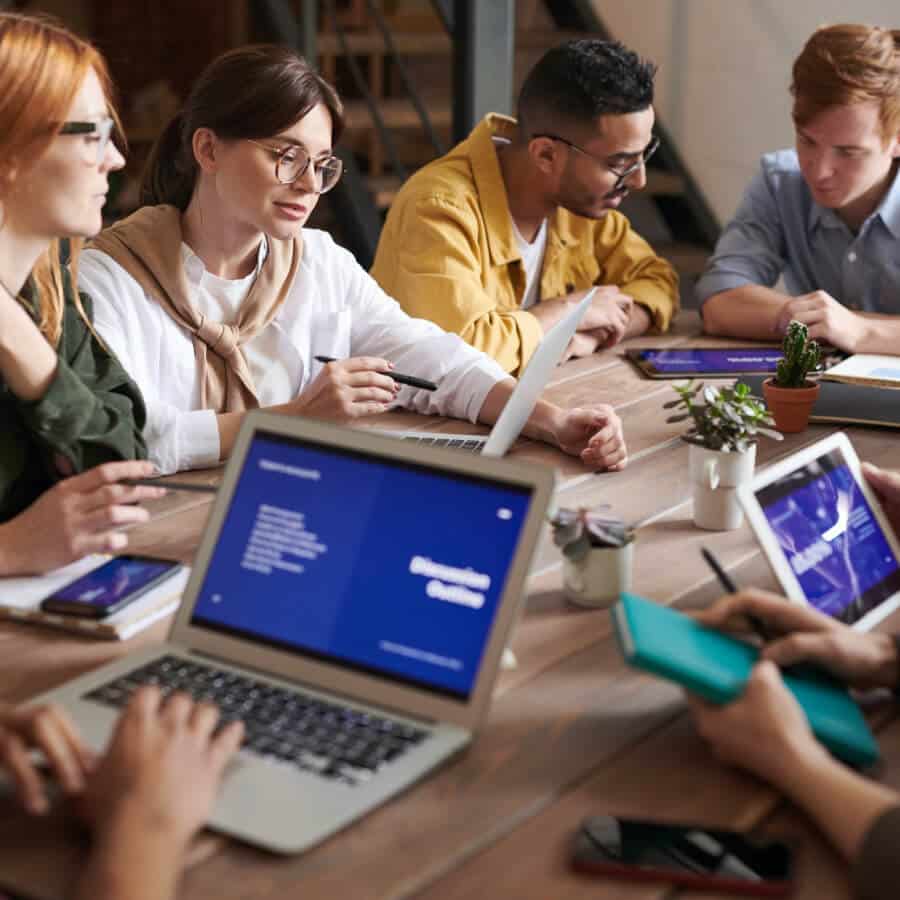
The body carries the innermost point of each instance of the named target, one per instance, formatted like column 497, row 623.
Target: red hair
column 848, row 64
column 42, row 67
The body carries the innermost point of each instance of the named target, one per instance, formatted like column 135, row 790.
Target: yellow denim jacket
column 448, row 253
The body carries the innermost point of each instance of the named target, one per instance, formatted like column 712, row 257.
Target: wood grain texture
column 572, row 729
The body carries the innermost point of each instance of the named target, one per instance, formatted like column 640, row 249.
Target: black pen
column 730, row 587
column 411, row 380
column 170, row 485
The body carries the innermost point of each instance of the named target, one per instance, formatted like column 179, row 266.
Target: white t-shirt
column 333, row 309
column 533, row 260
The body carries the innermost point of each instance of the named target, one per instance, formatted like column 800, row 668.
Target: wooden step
column 397, row 113
column 428, row 43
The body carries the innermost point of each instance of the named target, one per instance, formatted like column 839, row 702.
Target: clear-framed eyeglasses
column 622, row 172
column 293, row 161
column 97, row 134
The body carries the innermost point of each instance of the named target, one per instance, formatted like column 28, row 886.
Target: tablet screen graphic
column 830, row 538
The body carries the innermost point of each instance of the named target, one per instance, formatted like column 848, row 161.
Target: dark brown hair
column 846, row 64
column 252, row 92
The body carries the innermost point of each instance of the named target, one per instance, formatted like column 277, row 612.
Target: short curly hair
column 581, row 80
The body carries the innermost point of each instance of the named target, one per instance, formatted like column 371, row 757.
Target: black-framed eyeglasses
column 98, row 132
column 293, row 161
column 621, row 172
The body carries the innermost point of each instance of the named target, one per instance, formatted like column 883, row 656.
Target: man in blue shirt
column 826, row 216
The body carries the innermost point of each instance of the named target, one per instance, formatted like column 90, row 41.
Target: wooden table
column 572, row 730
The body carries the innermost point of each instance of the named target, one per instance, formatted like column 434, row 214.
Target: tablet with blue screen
column 824, row 533
column 705, row 362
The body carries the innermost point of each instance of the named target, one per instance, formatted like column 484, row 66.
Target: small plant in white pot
column 726, row 423
column 598, row 553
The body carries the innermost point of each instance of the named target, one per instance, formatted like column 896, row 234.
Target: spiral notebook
column 20, row 600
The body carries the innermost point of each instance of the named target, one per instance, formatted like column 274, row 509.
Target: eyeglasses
column 293, row 161
column 98, row 133
column 620, row 173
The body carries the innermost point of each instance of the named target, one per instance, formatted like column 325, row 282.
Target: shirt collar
column 194, row 267
column 482, row 153
column 888, row 211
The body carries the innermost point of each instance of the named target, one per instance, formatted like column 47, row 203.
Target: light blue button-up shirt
column 780, row 230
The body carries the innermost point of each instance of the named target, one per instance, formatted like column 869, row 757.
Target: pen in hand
column 411, row 380
column 730, row 587
column 169, row 485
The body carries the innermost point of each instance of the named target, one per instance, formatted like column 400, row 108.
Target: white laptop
column 825, row 534
column 350, row 601
column 523, row 398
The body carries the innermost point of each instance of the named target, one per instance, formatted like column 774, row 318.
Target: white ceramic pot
column 715, row 476
column 597, row 579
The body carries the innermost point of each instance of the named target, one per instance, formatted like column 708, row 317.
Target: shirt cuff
column 660, row 305
column 715, row 283
column 191, row 442
column 875, row 871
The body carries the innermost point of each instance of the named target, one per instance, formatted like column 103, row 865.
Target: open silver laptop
column 350, row 601
column 523, row 398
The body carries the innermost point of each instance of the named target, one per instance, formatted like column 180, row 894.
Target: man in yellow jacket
column 499, row 238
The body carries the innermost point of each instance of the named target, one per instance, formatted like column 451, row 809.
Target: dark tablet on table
column 706, row 362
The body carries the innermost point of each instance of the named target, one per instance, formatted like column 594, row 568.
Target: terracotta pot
column 790, row 407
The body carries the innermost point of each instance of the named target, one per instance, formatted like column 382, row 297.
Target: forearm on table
column 843, row 804
column 881, row 334
column 749, row 311
column 131, row 861
column 639, row 321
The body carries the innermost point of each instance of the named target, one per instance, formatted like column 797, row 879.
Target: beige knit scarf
column 148, row 246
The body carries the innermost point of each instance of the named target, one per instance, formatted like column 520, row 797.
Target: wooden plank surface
column 572, row 730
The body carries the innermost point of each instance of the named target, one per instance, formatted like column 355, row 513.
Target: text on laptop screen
column 671, row 362
column 384, row 566
column 830, row 538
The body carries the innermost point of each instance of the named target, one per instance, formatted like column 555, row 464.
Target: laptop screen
column 831, row 538
column 385, row 566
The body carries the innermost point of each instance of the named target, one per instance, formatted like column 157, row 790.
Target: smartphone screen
column 110, row 587
column 682, row 854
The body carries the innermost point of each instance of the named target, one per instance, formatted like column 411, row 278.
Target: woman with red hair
column 66, row 406
column 72, row 418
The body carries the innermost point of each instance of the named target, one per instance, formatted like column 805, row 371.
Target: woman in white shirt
column 216, row 299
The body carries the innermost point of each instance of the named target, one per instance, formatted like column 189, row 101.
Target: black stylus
column 411, row 380
column 170, row 485
column 730, row 587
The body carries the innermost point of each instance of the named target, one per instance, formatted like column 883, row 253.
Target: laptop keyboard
column 435, row 440
column 319, row 736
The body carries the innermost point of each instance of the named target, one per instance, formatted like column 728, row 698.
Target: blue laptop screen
column 387, row 567
column 831, row 538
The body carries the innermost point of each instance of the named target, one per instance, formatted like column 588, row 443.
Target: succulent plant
column 727, row 418
column 801, row 356
column 577, row 530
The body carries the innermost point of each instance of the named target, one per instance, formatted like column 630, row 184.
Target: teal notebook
column 716, row 666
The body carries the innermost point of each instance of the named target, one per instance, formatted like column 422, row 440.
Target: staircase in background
column 395, row 74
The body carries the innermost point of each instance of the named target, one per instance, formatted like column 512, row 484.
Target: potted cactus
column 726, row 422
column 790, row 396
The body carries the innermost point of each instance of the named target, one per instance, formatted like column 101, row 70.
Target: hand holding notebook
column 717, row 666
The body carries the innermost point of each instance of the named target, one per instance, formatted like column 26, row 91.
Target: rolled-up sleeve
column 92, row 412
column 435, row 272
column 752, row 247
column 630, row 263
column 463, row 374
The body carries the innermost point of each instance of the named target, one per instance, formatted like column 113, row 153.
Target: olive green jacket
column 91, row 413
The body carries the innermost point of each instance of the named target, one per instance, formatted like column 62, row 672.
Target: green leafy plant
column 729, row 419
column 577, row 530
column 801, row 356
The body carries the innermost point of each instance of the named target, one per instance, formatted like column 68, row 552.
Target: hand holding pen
column 411, row 380
column 347, row 389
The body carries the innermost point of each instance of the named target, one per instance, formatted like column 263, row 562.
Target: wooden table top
column 572, row 730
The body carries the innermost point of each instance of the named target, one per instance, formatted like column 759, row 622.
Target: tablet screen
column 830, row 538
column 736, row 361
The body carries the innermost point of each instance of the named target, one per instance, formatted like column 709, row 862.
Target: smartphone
column 682, row 854
column 110, row 587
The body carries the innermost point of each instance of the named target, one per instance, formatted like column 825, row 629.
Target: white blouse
column 333, row 309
